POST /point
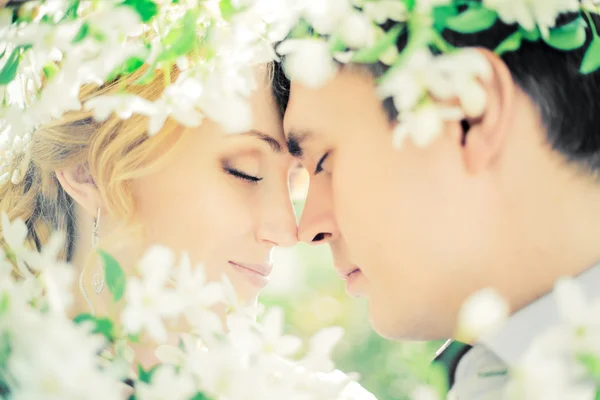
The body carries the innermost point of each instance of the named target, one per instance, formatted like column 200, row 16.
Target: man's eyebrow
column 271, row 141
column 294, row 143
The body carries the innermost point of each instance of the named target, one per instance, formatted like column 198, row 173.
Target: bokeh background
column 312, row 295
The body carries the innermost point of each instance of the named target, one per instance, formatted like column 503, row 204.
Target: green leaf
column 336, row 44
column 146, row 376
column 181, row 40
column 4, row 302
column 134, row 338
column 129, row 66
column 442, row 14
column 227, row 9
column 71, row 11
column 146, row 77
column 9, row 71
column 200, row 396
column 115, row 278
column 82, row 34
column 50, row 69
column 511, row 43
column 568, row 37
column 475, row 19
column 597, row 396
column 410, row 4
column 146, row 9
column 102, row 326
column 371, row 55
column 532, row 36
column 301, row 30
column 591, row 59
column 591, row 363
column 5, row 350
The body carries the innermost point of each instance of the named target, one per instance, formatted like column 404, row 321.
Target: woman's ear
column 483, row 137
column 79, row 184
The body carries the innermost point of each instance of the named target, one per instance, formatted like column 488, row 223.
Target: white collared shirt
column 482, row 373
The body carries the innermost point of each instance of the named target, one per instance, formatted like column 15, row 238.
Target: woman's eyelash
column 243, row 176
column 320, row 163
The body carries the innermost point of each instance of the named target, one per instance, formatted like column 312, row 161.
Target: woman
column 222, row 198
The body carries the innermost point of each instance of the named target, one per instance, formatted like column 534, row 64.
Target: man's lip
column 346, row 271
column 261, row 269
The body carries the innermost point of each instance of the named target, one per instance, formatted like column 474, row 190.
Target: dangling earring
column 98, row 278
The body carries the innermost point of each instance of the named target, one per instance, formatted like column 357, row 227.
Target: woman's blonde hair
column 112, row 153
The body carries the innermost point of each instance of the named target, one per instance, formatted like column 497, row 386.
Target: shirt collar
column 518, row 332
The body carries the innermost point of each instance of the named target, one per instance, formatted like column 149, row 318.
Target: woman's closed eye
column 237, row 173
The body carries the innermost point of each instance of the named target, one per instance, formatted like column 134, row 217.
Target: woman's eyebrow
column 271, row 141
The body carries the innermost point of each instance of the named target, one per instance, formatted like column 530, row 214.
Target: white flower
column 166, row 384
column 356, row 31
column 273, row 338
column 532, row 13
column 60, row 95
column 198, row 297
column 53, row 359
column 425, row 393
column 280, row 16
column 483, row 311
column 570, row 301
column 14, row 232
column 46, row 39
column 548, row 371
column 185, row 356
column 114, row 21
column 550, row 368
column 308, row 61
column 407, row 85
column 219, row 368
column 148, row 298
column 322, row 343
column 423, row 125
column 424, row 81
column 226, row 106
column 325, row 15
column 381, row 11
column 178, row 101
column 237, row 305
column 124, row 105
column 354, row 391
column 56, row 277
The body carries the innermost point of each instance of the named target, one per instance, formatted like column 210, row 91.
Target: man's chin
column 392, row 324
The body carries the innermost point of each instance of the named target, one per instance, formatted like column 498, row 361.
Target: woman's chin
column 247, row 292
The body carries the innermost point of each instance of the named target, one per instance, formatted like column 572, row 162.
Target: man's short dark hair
column 280, row 86
column 568, row 101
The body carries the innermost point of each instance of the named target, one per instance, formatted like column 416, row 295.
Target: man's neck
column 557, row 234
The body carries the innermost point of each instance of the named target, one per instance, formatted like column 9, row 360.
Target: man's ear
column 483, row 137
column 79, row 184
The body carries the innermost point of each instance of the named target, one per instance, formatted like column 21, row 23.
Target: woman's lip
column 259, row 278
column 261, row 269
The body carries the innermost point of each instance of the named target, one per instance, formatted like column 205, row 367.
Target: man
column 510, row 200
